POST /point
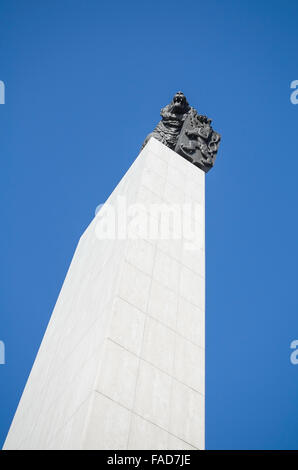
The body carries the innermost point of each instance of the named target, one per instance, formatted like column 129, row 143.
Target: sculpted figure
column 173, row 115
column 186, row 132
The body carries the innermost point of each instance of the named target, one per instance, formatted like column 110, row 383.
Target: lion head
column 179, row 103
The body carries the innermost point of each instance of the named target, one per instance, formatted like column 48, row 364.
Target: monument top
column 186, row 132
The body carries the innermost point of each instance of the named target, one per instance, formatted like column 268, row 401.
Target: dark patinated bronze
column 186, row 132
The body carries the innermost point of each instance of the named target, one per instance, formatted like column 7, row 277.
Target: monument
column 122, row 362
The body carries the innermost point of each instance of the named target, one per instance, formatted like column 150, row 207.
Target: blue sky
column 84, row 85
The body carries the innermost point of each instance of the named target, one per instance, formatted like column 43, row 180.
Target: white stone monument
column 122, row 362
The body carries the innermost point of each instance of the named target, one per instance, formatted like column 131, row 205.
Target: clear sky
column 85, row 81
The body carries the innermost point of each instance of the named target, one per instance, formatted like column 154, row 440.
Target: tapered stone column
column 122, row 362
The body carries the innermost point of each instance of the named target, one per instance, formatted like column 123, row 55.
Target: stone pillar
column 122, row 362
